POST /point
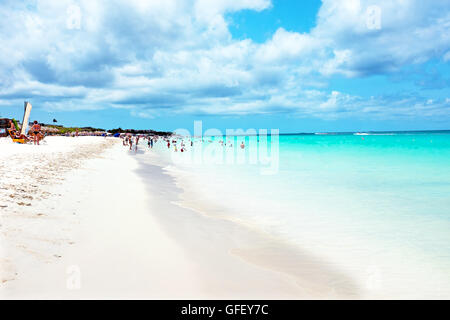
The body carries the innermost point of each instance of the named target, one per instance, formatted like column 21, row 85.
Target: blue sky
column 297, row 66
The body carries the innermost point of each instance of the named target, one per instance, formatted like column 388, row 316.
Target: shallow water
column 374, row 206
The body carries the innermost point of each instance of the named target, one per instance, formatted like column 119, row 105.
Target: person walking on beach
column 130, row 141
column 36, row 129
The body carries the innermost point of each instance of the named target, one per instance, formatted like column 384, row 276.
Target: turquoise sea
column 376, row 206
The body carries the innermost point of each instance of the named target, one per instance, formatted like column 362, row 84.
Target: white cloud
column 411, row 31
column 447, row 57
column 179, row 56
column 287, row 47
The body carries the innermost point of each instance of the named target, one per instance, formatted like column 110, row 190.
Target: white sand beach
column 225, row 150
column 72, row 213
column 81, row 219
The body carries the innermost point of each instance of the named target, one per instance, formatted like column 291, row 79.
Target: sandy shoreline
column 94, row 225
column 264, row 267
column 107, row 223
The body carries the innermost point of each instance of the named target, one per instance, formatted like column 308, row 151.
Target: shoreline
column 325, row 276
column 115, row 223
column 299, row 274
column 84, row 218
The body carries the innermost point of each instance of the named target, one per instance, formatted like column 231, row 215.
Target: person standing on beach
column 130, row 141
column 36, row 129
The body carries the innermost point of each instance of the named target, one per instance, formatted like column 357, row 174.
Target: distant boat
column 361, row 134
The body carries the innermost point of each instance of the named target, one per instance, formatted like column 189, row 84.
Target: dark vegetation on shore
column 64, row 130
column 59, row 129
column 133, row 131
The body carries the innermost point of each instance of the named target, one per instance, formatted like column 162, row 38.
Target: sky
column 292, row 65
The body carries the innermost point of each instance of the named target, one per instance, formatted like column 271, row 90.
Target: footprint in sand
column 24, row 204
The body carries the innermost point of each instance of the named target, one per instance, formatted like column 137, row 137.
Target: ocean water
column 375, row 206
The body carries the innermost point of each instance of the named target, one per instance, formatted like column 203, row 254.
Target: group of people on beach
column 133, row 141
column 34, row 134
column 130, row 140
column 175, row 143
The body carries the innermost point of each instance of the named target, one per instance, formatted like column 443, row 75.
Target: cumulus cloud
column 179, row 56
column 407, row 32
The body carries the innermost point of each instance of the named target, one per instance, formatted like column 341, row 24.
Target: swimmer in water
column 242, row 145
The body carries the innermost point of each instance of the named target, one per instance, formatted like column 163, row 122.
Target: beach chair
column 17, row 139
